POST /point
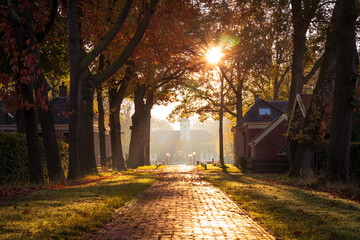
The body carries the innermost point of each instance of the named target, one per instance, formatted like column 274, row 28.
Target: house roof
column 267, row 130
column 277, row 108
column 60, row 109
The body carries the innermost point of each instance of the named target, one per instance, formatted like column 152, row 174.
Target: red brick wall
column 270, row 145
column 246, row 135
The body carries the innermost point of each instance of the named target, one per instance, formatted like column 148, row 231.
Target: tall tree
column 82, row 82
column 303, row 12
column 31, row 73
column 315, row 124
column 346, row 68
column 117, row 91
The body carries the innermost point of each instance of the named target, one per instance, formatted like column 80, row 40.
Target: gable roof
column 60, row 109
column 268, row 129
column 277, row 108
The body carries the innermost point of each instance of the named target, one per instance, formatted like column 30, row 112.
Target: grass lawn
column 289, row 212
column 65, row 212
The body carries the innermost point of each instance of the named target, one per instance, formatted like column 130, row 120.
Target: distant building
column 182, row 146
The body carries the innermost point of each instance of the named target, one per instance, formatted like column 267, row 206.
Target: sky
column 161, row 112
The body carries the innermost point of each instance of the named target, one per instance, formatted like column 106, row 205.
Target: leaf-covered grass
column 68, row 211
column 289, row 212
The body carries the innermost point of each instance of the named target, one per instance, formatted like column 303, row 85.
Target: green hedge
column 13, row 158
column 243, row 163
column 321, row 158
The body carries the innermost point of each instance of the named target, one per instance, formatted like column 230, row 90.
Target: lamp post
column 194, row 153
column 168, row 158
column 213, row 57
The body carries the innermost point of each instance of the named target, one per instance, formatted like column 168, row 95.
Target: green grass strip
column 289, row 212
column 66, row 213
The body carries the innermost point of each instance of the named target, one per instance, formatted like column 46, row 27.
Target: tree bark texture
column 346, row 63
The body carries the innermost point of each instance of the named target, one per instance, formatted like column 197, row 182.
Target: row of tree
column 116, row 48
column 153, row 52
column 280, row 49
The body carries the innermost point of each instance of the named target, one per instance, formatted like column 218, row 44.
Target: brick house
column 260, row 133
column 184, row 146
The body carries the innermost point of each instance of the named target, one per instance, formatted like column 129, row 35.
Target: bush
column 354, row 164
column 14, row 162
column 242, row 162
column 13, row 158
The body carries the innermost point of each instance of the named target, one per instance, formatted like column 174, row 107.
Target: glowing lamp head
column 214, row 55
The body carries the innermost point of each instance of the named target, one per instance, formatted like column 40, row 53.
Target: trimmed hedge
column 354, row 164
column 14, row 162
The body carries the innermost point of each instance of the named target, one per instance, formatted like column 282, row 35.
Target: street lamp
column 168, row 158
column 214, row 56
column 194, row 153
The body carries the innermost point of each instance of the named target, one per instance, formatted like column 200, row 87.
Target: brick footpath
column 181, row 206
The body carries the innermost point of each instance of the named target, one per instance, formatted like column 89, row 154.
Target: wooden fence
column 280, row 165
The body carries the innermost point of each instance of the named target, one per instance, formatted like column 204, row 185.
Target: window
column 282, row 152
column 264, row 111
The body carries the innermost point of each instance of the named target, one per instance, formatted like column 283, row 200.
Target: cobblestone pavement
column 182, row 206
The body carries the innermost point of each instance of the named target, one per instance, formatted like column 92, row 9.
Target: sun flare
column 214, row 55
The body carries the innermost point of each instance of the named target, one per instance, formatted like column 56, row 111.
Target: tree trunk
column 32, row 137
column 221, row 132
column 115, row 100
column 138, row 138
column 301, row 19
column 101, row 119
column 341, row 124
column 239, row 115
column 88, row 162
column 20, row 124
column 305, row 151
column 75, row 154
column 53, row 161
column 147, row 126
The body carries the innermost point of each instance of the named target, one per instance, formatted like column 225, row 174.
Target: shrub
column 14, row 162
column 13, row 158
column 354, row 164
column 242, row 162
